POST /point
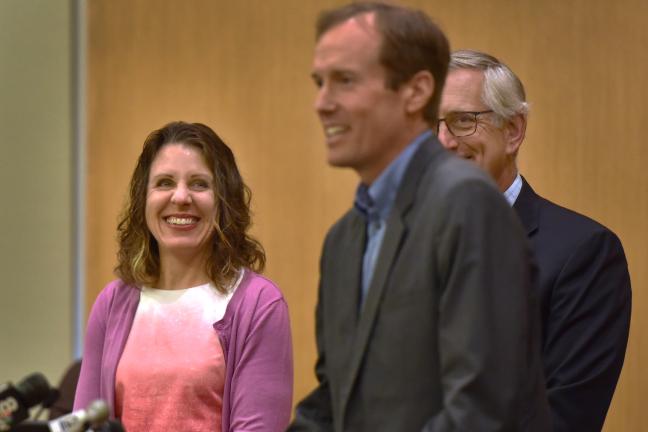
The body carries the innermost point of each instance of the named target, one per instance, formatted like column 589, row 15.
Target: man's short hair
column 503, row 91
column 411, row 42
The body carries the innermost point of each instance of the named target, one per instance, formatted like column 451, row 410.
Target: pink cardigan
column 254, row 333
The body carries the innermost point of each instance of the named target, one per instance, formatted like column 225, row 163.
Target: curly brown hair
column 231, row 247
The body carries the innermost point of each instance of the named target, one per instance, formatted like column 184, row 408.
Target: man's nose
column 324, row 101
column 448, row 140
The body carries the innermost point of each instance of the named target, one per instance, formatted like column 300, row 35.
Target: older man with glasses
column 583, row 284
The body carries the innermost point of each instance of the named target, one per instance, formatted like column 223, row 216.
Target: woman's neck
column 178, row 272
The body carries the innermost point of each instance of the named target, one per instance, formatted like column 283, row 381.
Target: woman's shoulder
column 257, row 301
column 115, row 301
column 115, row 292
column 254, row 285
column 118, row 288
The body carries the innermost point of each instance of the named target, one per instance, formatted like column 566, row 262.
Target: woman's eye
column 200, row 184
column 164, row 183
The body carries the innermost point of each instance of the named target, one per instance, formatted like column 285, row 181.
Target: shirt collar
column 377, row 200
column 513, row 191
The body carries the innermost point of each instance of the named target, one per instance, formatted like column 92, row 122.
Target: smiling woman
column 189, row 312
column 180, row 210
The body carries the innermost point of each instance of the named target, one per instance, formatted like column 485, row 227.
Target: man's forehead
column 346, row 43
column 462, row 91
column 364, row 22
column 355, row 30
column 466, row 75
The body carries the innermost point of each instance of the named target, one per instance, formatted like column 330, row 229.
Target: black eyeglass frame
column 475, row 114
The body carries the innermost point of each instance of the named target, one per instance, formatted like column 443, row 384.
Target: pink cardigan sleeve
column 88, row 387
column 262, row 377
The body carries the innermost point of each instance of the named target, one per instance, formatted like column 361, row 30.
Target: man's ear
column 515, row 130
column 418, row 91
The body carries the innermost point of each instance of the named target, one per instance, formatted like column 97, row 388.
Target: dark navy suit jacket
column 585, row 300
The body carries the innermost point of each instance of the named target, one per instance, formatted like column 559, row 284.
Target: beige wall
column 36, row 182
column 243, row 68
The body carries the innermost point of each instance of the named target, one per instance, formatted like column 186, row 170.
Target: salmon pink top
column 173, row 362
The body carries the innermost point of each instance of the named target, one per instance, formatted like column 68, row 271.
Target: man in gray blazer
column 425, row 320
column 583, row 285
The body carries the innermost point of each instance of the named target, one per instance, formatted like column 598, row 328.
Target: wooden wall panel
column 243, row 68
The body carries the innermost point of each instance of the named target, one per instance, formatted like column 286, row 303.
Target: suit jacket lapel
column 527, row 206
column 395, row 234
column 390, row 244
column 349, row 274
column 396, row 230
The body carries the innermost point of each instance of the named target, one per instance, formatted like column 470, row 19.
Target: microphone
column 93, row 417
column 16, row 401
column 51, row 399
column 110, row 426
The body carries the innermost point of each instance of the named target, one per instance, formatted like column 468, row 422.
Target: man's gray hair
column 503, row 91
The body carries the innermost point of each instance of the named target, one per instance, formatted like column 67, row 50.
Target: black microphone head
column 31, row 426
column 34, row 389
column 112, row 426
column 52, row 397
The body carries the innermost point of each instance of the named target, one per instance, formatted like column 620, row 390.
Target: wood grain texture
column 243, row 68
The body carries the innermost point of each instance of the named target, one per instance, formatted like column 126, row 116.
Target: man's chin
column 338, row 161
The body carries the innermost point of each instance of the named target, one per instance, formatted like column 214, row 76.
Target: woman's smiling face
column 180, row 201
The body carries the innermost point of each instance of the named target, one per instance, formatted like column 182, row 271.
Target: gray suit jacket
column 448, row 339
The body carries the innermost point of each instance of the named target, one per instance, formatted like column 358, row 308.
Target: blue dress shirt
column 375, row 202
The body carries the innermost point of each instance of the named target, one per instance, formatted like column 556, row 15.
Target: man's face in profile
column 361, row 117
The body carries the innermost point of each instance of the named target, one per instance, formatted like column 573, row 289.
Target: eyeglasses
column 461, row 123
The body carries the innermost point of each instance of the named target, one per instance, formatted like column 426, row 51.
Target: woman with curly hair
column 190, row 337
